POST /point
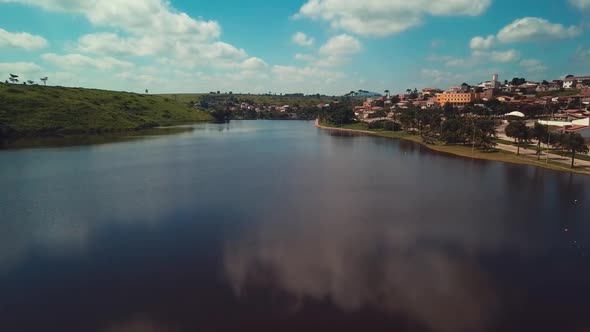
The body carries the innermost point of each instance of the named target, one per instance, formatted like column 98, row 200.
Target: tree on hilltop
column 13, row 78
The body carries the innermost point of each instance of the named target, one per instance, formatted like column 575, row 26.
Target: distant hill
column 49, row 111
column 363, row 94
column 277, row 100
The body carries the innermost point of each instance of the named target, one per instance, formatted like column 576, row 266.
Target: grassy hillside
column 560, row 93
column 45, row 111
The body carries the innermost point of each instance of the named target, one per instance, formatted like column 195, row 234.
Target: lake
column 279, row 226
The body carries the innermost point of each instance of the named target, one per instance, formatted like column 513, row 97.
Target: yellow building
column 456, row 98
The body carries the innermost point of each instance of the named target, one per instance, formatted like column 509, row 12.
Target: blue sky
column 310, row 46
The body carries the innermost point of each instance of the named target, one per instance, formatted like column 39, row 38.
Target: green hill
column 277, row 100
column 49, row 111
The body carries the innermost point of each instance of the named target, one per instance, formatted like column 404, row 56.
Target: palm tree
column 540, row 133
column 521, row 134
column 487, row 142
column 573, row 143
column 44, row 79
column 485, row 134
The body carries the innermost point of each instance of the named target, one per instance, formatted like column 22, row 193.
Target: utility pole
column 473, row 141
column 548, row 139
column 548, row 142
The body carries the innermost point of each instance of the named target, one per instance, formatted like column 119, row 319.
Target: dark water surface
column 277, row 226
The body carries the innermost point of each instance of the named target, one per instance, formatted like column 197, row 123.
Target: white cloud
column 582, row 54
column 302, row 74
column 441, row 77
column 304, row 57
column 581, row 4
column 136, row 17
column 302, row 39
column 435, row 74
column 338, row 50
column 253, row 64
column 146, row 28
column 131, row 76
column 478, row 42
column 497, row 56
column 436, row 43
column 215, row 54
column 533, row 66
column 530, row 62
column 478, row 57
column 524, row 30
column 439, row 58
column 113, row 44
column 382, row 18
column 79, row 61
column 534, row 29
column 318, row 74
column 458, row 62
column 22, row 40
column 341, row 45
column 580, row 60
column 189, row 53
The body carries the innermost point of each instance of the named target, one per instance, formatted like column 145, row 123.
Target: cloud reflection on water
column 359, row 263
column 139, row 325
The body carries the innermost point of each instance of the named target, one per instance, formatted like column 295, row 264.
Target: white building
column 580, row 122
column 571, row 81
column 493, row 84
column 568, row 84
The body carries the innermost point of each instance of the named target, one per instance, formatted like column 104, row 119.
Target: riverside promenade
column 529, row 154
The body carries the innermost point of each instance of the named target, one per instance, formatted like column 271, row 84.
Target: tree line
column 568, row 142
column 453, row 126
column 14, row 79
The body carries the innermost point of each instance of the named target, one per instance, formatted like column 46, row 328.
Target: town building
column 573, row 121
column 527, row 88
column 571, row 82
column 493, row 84
column 457, row 99
column 430, row 91
column 488, row 94
column 548, row 87
column 582, row 130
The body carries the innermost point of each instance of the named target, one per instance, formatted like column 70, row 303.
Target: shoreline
column 69, row 134
column 48, row 142
column 462, row 151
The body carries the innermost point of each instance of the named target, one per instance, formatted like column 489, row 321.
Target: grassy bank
column 48, row 111
column 561, row 93
column 558, row 152
column 462, row 150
